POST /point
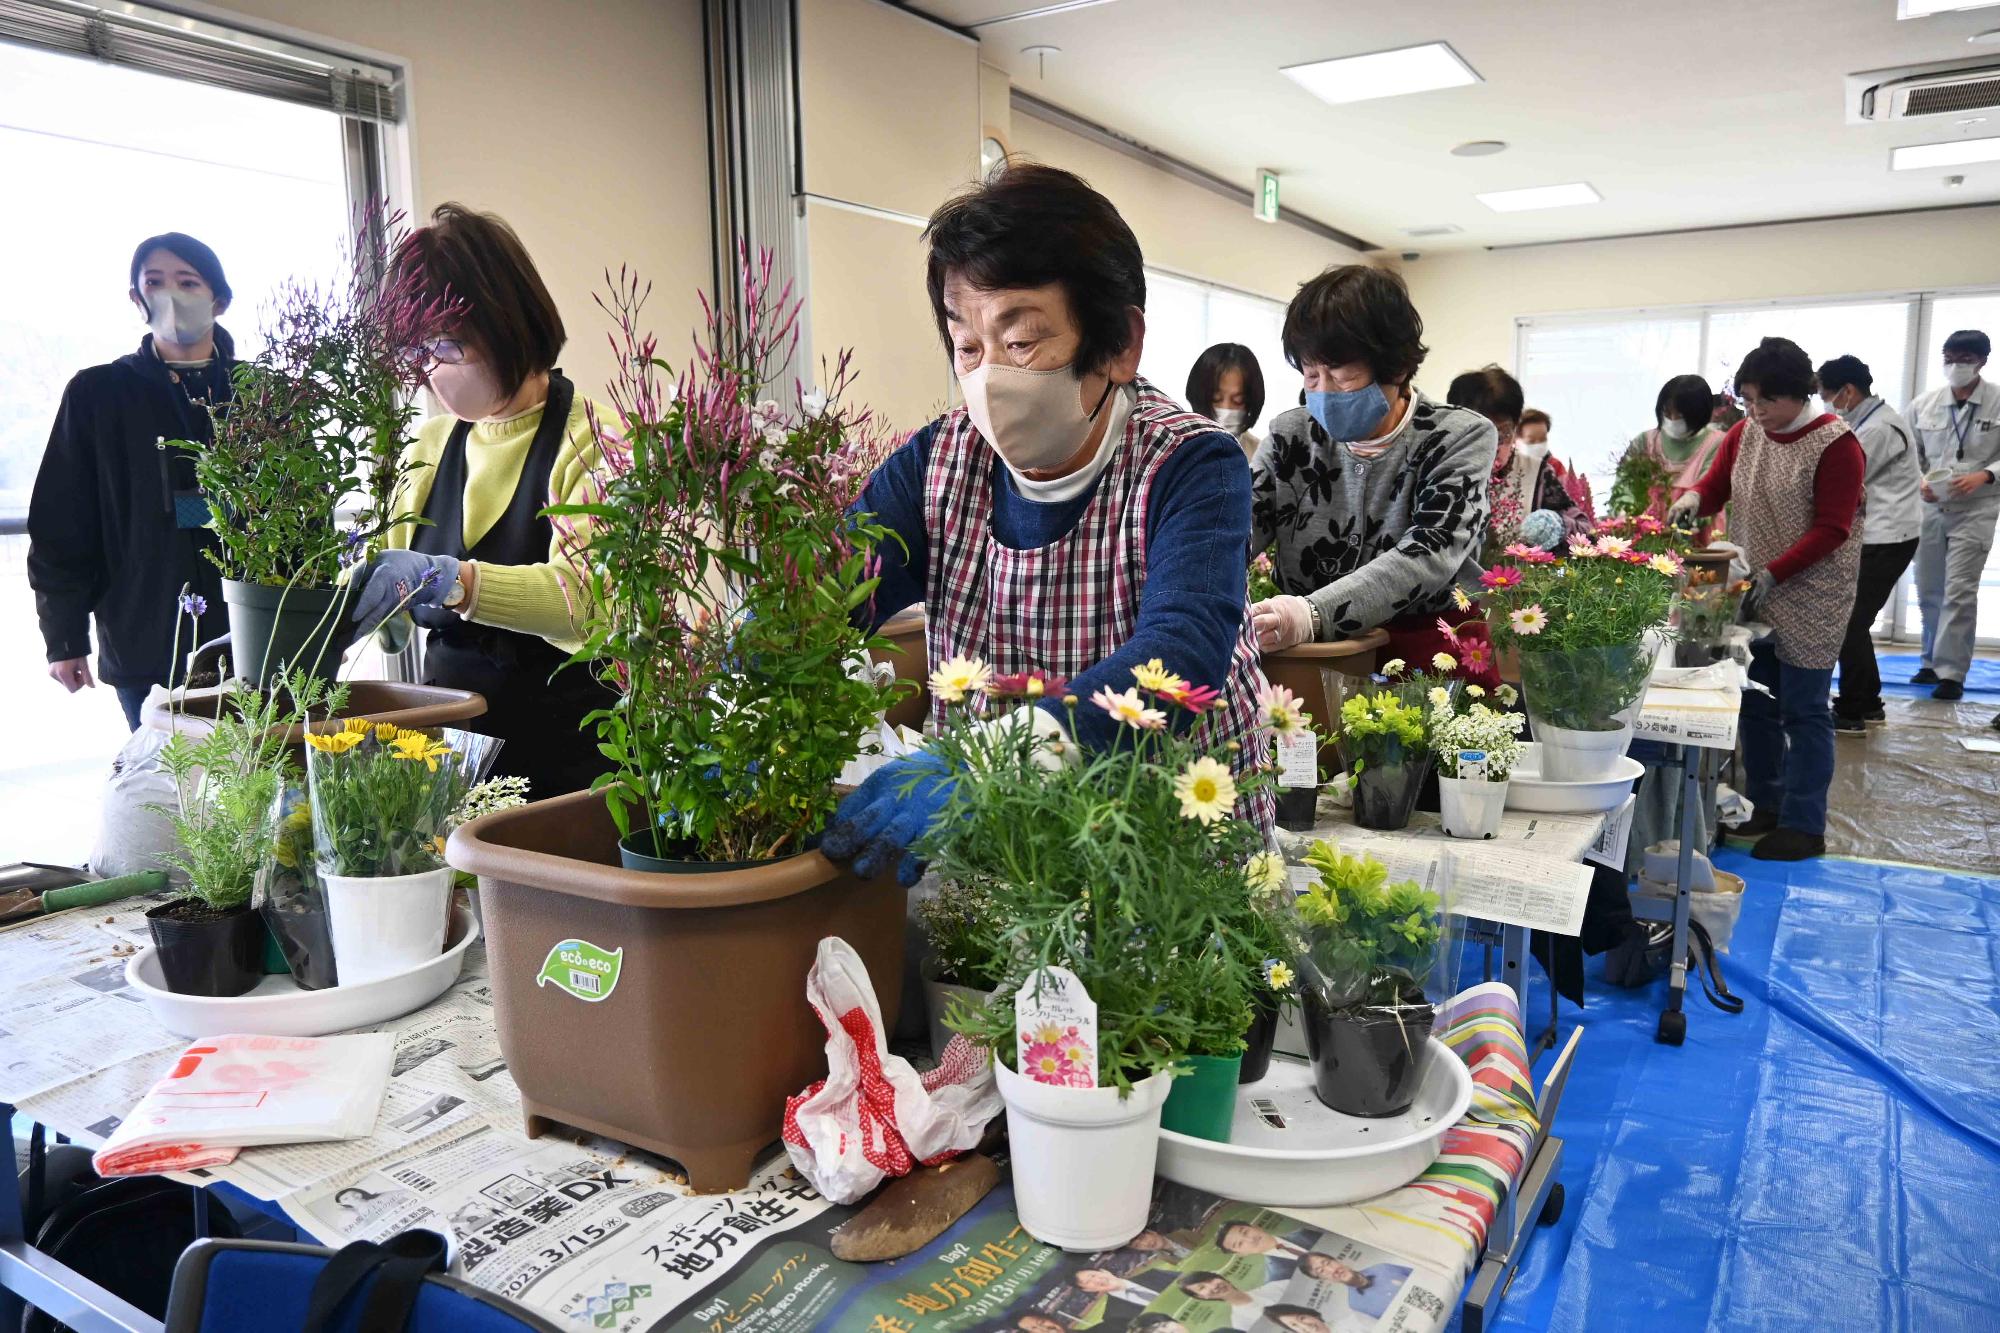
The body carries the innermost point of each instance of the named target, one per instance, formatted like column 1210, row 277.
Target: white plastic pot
column 1471, row 807
column 385, row 924
column 1582, row 756
column 1083, row 1159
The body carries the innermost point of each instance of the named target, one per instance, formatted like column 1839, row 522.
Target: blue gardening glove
column 407, row 579
column 1752, row 605
column 875, row 826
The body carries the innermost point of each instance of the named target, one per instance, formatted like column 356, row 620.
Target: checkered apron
column 1069, row 605
column 1772, row 495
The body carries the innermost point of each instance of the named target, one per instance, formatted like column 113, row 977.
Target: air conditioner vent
column 1943, row 99
column 1434, row 229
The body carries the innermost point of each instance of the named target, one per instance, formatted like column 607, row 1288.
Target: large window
column 1184, row 318
column 1597, row 374
column 98, row 156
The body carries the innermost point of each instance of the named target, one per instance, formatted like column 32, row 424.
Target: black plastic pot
column 1298, row 808
column 1263, row 1032
column 206, row 952
column 1367, row 1060
column 1384, row 794
column 305, row 938
column 273, row 629
column 632, row 858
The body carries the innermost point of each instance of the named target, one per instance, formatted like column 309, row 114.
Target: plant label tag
column 580, row 968
column 1056, row 1030
column 1298, row 759
column 1472, row 765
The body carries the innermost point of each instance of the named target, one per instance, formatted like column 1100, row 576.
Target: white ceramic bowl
column 276, row 1007
column 1528, row 790
column 1288, row 1149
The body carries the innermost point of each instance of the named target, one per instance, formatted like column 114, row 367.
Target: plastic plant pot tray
column 1287, row 1148
column 1528, row 790
column 277, row 1007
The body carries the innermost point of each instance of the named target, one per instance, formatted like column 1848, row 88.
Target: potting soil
column 1826, row 1160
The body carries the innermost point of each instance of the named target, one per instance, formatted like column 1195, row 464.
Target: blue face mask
column 1351, row 415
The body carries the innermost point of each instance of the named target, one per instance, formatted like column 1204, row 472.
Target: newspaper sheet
column 65, row 1011
column 1705, row 718
column 1203, row 1264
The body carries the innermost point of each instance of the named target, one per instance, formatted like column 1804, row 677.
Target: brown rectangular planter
column 692, row 1050
column 404, row 704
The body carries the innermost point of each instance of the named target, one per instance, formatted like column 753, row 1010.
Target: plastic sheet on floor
column 1897, row 668
column 1908, row 791
column 1828, row 1160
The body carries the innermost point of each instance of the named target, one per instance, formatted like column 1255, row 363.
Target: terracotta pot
column 394, row 701
column 1319, row 673
column 905, row 630
column 694, row 1027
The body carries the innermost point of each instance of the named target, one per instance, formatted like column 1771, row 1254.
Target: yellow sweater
column 546, row 598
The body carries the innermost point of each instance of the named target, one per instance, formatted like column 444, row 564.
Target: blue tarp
column 1828, row 1160
column 1896, row 669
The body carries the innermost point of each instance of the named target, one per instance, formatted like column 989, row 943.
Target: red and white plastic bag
column 873, row 1116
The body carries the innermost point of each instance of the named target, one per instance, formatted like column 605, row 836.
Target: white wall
column 584, row 125
column 1470, row 299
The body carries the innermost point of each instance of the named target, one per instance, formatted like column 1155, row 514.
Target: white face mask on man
column 1034, row 419
column 1958, row 374
column 181, row 318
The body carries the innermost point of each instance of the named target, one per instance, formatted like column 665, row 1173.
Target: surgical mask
column 1674, row 428
column 1034, row 419
column 1350, row 415
column 1232, row 419
column 184, row 318
column 468, row 390
column 1958, row 374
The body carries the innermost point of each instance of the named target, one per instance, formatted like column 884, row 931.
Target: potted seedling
column 1118, row 882
column 964, row 933
column 1383, row 739
column 1579, row 622
column 1370, row 947
column 226, row 778
column 1475, row 750
column 321, row 415
column 382, row 800
column 1271, row 941
column 721, row 590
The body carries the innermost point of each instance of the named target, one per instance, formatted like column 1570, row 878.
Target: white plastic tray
column 1528, row 790
column 1319, row 1157
column 276, row 1007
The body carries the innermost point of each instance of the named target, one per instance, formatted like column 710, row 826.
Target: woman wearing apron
column 1069, row 518
column 484, row 572
column 1794, row 474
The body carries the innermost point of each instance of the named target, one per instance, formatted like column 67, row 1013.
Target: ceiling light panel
column 1923, row 9
column 1952, row 153
column 1540, row 196
column 1410, row 69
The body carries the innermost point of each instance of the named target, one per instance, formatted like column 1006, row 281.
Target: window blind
column 186, row 48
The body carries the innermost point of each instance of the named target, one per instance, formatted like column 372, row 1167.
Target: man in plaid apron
column 1069, row 518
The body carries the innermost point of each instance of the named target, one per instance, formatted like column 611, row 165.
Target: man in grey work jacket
column 1958, row 445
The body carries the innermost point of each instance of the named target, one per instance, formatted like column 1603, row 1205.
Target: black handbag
column 398, row 1267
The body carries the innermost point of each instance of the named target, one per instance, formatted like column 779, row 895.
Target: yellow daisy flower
column 1460, row 600
column 1265, row 874
column 385, row 732
column 1278, row 976
column 959, row 677
column 334, row 742
column 1206, row 791
column 358, row 725
column 1155, row 677
column 1443, row 662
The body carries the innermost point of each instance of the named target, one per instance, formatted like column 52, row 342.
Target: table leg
column 1673, row 1018
column 1514, row 963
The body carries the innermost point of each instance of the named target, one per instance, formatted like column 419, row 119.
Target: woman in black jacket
column 117, row 526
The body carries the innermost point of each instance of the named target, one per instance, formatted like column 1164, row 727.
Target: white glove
column 1685, row 509
column 1281, row 622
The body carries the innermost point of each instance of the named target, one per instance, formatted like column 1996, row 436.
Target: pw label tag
column 580, row 968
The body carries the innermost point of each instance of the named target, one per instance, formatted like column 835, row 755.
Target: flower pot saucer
column 1288, row 1149
column 1528, row 790
column 277, row 1007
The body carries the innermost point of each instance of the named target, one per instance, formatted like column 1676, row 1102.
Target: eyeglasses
column 438, row 352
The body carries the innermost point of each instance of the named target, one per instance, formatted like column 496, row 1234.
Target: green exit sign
column 1266, row 202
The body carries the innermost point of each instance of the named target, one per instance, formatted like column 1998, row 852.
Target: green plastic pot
column 272, row 629
column 1202, row 1105
column 275, row 962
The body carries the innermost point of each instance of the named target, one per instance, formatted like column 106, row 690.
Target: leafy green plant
column 1494, row 733
column 1368, row 942
column 725, row 576
column 1263, row 578
column 1641, row 482
column 1125, row 865
column 1383, row 727
column 227, row 778
column 322, row 414
column 963, row 927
